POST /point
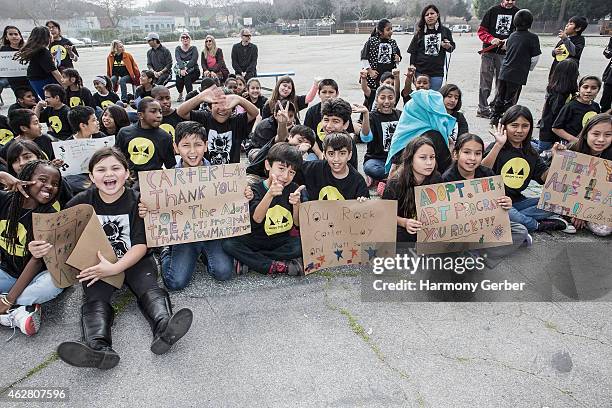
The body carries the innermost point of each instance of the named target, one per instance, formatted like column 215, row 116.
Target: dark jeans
column 507, row 95
column 606, row 97
column 490, row 64
column 258, row 254
column 139, row 278
column 187, row 81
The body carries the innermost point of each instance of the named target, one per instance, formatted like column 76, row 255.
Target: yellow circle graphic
column 106, row 104
column 563, row 55
column 55, row 123
column 587, row 116
column 141, row 150
column 168, row 128
column 320, row 131
column 62, row 50
column 21, row 238
column 75, row 101
column 330, row 193
column 278, row 220
column 5, row 136
column 515, row 172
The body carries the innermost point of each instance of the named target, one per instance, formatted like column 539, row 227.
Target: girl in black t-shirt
column 117, row 208
column 253, row 93
column 285, row 90
column 418, row 167
column 104, row 97
column 23, row 278
column 113, row 119
column 76, row 93
column 575, row 114
column 452, row 103
column 147, row 82
column 379, row 54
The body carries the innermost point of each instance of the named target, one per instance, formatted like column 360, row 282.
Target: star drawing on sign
column 371, row 253
column 338, row 253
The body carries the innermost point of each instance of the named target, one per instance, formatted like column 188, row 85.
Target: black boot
column 95, row 348
column 167, row 328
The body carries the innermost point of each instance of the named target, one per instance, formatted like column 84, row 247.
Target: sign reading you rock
column 193, row 204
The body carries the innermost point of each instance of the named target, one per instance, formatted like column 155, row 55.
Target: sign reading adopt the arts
column 192, row 204
column 579, row 186
column 462, row 214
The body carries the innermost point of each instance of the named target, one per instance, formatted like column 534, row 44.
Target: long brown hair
column 582, row 145
column 5, row 40
column 39, row 38
column 276, row 94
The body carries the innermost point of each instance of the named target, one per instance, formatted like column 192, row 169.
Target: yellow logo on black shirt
column 168, row 128
column 5, row 136
column 515, row 172
column 564, row 54
column 106, row 104
column 55, row 123
column 320, row 131
column 21, row 238
column 278, row 220
column 75, row 101
column 63, row 51
column 141, row 150
column 587, row 116
column 330, row 193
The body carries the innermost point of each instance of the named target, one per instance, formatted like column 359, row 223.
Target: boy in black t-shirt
column 63, row 51
column 169, row 116
column 575, row 114
column 571, row 43
column 270, row 248
column 336, row 117
column 267, row 129
column 54, row 112
column 146, row 146
column 226, row 131
column 333, row 178
column 522, row 54
column 25, row 124
column 25, row 100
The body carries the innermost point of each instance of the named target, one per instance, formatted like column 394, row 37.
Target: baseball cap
column 152, row 36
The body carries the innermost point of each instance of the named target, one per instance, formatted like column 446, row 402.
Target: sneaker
column 240, row 268
column 27, row 318
column 295, row 267
column 494, row 120
column 278, row 267
column 180, row 98
column 569, row 228
column 485, row 113
column 551, row 224
column 528, row 241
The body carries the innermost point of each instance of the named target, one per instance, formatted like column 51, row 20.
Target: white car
column 87, row 40
column 75, row 41
column 461, row 28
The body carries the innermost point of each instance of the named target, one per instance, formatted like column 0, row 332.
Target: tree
column 116, row 10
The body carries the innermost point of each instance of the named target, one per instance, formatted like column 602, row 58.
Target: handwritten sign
column 9, row 67
column 76, row 153
column 461, row 214
column 333, row 232
column 580, row 186
column 192, row 204
column 77, row 236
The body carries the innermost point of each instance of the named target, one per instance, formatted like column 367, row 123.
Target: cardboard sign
column 192, row 204
column 76, row 153
column 77, row 236
column 579, row 186
column 333, row 232
column 9, row 67
column 461, row 215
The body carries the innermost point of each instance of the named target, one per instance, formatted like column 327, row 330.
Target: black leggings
column 187, row 81
column 139, row 278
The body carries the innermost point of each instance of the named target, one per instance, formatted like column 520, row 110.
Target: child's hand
column 276, row 188
column 57, row 163
column 42, row 104
column 38, row 249
column 248, row 193
column 362, row 199
column 446, row 44
column 558, row 51
column 397, row 58
column 396, row 72
column 282, row 116
column 14, row 184
column 317, row 79
column 500, row 134
column 214, row 94
column 295, row 197
column 142, row 210
column 504, row 202
column 372, row 73
column 95, row 273
column 363, row 74
column 557, row 147
column 579, row 224
column 562, row 34
column 304, row 147
column 413, row 226
column 357, row 108
column 411, row 71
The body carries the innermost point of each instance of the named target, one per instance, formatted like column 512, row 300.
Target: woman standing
column 12, row 40
column 41, row 68
column 186, row 68
column 606, row 97
column 213, row 64
column 429, row 46
column 121, row 68
column 380, row 53
column 62, row 49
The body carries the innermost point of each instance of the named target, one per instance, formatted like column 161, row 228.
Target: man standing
column 159, row 59
column 496, row 26
column 244, row 56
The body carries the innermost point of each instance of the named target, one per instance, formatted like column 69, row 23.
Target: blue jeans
column 541, row 146
column 375, row 168
column 38, row 85
column 435, row 83
column 179, row 262
column 4, row 83
column 122, row 84
column 40, row 290
column 527, row 213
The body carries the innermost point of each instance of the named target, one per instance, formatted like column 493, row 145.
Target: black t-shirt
column 265, row 131
column 258, row 167
column 169, row 123
column 499, row 22
column 554, row 101
column 260, row 102
column 461, row 126
column 301, row 104
column 391, row 193
column 452, row 174
column 140, row 92
column 426, row 51
column 6, row 133
column 322, row 185
column 574, row 115
column 43, row 141
column 41, row 65
column 120, row 220
column 146, row 149
column 13, row 262
column 119, row 68
column 57, row 121
column 517, row 169
column 521, row 46
column 59, row 48
column 80, row 97
column 224, row 139
column 579, row 43
column 313, row 120
column 279, row 217
column 105, row 101
column 382, row 126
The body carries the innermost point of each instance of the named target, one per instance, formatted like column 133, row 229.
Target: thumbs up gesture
column 295, row 197
column 276, row 187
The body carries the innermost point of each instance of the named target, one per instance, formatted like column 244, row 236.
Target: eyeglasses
column 208, row 41
column 184, row 38
column 246, row 35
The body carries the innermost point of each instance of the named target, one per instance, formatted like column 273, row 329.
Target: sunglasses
column 208, row 41
column 246, row 35
column 184, row 38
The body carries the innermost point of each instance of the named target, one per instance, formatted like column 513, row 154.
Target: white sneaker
column 569, row 228
column 27, row 318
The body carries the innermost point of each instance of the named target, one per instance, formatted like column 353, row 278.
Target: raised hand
column 357, row 108
column 214, row 94
column 295, row 197
column 500, row 134
column 276, row 187
column 14, row 184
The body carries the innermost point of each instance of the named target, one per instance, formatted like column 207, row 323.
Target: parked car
column 88, row 40
column 461, row 28
column 398, row 29
column 75, row 41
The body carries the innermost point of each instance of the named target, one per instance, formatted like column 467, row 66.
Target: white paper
column 76, row 153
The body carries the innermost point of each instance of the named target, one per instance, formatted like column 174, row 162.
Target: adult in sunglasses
column 244, row 56
column 187, row 68
column 213, row 64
